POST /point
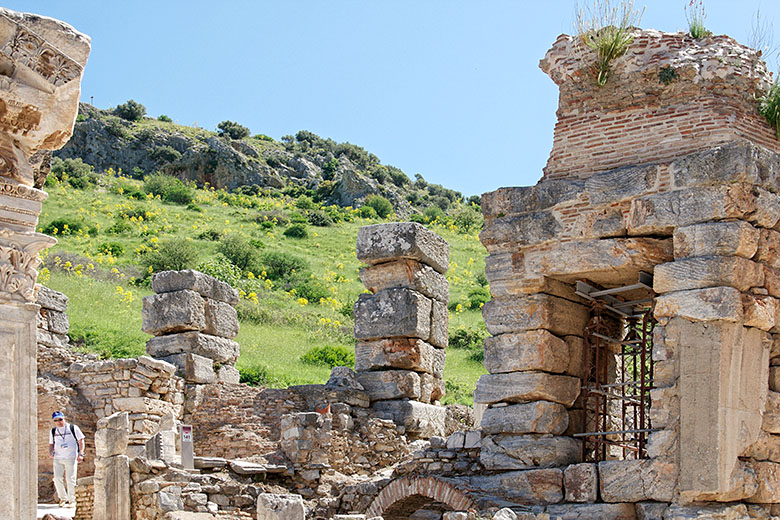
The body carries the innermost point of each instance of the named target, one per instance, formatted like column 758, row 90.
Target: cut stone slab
column 534, row 417
column 51, row 299
column 407, row 353
column 724, row 368
column 529, row 350
column 581, row 482
column 650, row 510
column 510, row 452
column 410, row 274
column 221, row 319
column 221, row 350
column 390, row 384
column 112, row 488
column 111, row 435
column 637, row 480
column 711, row 271
column 393, row 313
column 539, row 486
column 193, row 368
column 711, row 304
column 606, row 261
column 527, row 386
column 440, row 325
column 535, row 311
column 661, row 213
column 386, row 242
column 203, row 284
column 710, row 512
column 592, row 511
column 173, row 312
column 210, row 462
column 512, row 231
column 508, row 277
column 432, row 388
column 768, row 251
column 228, row 374
column 716, row 239
column 420, row 419
column 761, row 312
column 271, row 506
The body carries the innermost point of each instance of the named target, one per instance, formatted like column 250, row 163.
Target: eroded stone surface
column 536, row 311
column 529, row 350
column 407, row 353
column 533, row 417
column 203, row 284
column 386, row 242
column 711, row 271
column 173, row 312
column 221, row 350
column 716, row 239
column 530, row 451
column 540, row 486
column 393, row 313
column 527, row 386
column 406, row 273
column 581, row 482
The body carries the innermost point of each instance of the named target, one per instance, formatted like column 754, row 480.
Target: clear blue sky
column 446, row 88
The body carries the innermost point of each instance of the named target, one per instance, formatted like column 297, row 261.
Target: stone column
column 402, row 328
column 112, row 468
column 193, row 321
column 42, row 62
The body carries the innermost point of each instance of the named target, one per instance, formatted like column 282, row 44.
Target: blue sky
column 447, row 88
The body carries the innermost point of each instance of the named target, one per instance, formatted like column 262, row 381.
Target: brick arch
column 435, row 489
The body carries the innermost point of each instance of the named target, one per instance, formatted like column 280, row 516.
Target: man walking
column 66, row 445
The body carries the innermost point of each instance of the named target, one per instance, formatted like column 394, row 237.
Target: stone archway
column 406, row 495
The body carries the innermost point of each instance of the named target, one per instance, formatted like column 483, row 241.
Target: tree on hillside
column 131, row 111
column 233, row 130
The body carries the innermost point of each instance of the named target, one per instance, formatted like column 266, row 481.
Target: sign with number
column 186, row 433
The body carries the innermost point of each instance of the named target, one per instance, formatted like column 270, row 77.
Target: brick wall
column 637, row 118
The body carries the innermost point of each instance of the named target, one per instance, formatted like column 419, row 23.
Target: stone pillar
column 402, row 327
column 193, row 319
column 112, row 468
column 43, row 61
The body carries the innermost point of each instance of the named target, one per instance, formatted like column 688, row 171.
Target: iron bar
column 617, row 432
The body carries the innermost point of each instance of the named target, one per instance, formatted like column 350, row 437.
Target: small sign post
column 187, row 452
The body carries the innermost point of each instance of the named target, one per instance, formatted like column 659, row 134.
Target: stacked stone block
column 401, row 328
column 112, row 468
column 306, row 442
column 193, row 319
column 53, row 321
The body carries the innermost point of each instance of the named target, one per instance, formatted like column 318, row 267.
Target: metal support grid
column 615, row 419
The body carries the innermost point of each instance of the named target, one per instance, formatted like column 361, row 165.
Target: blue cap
column 58, row 415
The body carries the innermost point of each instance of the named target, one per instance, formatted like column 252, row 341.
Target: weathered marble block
column 221, row 350
column 535, row 311
column 111, row 435
column 173, row 312
column 407, row 353
column 637, row 480
column 280, row 507
column 538, row 486
column 528, row 350
column 768, row 479
column 431, row 388
column 510, row 452
column 594, row 511
column 440, row 325
column 713, row 303
column 533, row 417
column 393, row 313
column 420, row 419
column 51, row 299
column 386, row 242
column 221, row 319
column 527, row 386
column 581, row 482
column 390, row 384
column 710, row 271
column 737, row 238
column 203, row 284
column 410, row 274
column 193, row 368
column 112, row 488
column 768, row 250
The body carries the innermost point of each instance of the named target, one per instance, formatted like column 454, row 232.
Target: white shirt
column 65, row 446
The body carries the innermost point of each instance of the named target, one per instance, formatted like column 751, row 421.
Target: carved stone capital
column 19, row 263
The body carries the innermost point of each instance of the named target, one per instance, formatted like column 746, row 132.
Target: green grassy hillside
column 297, row 292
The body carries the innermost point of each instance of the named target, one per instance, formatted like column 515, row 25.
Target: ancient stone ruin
column 634, row 357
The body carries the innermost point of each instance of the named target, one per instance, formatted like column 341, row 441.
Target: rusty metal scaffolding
column 617, row 371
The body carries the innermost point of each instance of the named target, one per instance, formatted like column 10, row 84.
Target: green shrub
column 296, row 217
column 695, row 15
column 131, row 111
column 276, row 217
column 420, row 219
column 481, row 279
column 267, row 224
column 137, row 212
column 75, row 172
column 330, row 356
column 279, row 265
column 254, row 376
column 179, row 193
column 164, row 118
column 325, row 190
column 330, row 168
column 319, row 218
column 173, row 254
column 116, row 127
column 468, row 219
column 263, row 137
column 381, row 205
column 367, row 212
column 305, row 202
column 119, row 226
column 239, row 252
column 194, row 207
column 233, row 130
column 456, row 393
column 477, row 297
column 770, row 107
column 310, row 288
column 222, row 269
column 165, row 154
column 296, row 231
column 467, row 338
column 210, row 234
column 64, row 226
column 111, row 248
column 347, row 309
column 169, row 189
column 432, row 213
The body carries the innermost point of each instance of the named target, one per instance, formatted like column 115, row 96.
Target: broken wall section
column 402, row 327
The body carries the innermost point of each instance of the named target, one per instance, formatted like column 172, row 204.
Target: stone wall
column 402, row 327
column 667, row 97
column 85, row 498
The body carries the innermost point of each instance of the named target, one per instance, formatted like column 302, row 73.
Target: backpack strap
column 52, row 433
